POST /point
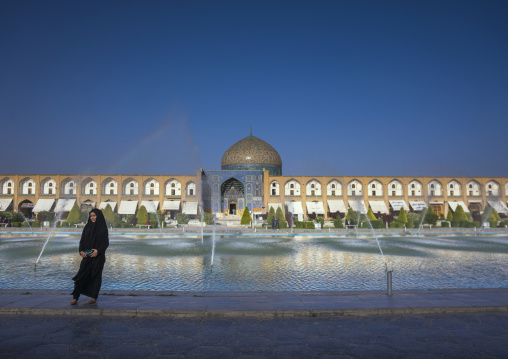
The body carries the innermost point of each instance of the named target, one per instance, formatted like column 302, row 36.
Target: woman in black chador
column 92, row 247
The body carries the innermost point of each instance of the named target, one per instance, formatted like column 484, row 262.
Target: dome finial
column 251, row 130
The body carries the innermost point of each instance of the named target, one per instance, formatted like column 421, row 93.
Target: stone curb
column 266, row 314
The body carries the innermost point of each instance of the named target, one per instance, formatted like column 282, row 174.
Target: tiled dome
column 251, row 151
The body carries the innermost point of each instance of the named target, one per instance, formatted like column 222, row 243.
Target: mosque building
column 251, row 176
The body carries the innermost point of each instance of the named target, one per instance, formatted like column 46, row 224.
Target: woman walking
column 92, row 247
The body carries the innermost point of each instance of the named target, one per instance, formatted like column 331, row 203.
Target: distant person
column 347, row 223
column 273, row 222
column 92, row 248
column 277, row 223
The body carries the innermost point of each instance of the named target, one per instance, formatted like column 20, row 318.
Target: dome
column 252, row 153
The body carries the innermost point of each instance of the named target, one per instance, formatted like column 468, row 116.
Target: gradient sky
column 346, row 88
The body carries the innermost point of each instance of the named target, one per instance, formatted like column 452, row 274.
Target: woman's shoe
column 92, row 301
column 74, row 302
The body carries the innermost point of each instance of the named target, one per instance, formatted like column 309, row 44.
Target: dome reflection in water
column 263, row 263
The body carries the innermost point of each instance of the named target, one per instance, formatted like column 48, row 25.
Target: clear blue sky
column 346, row 88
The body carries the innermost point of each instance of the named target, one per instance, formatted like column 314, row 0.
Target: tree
column 246, row 216
column 271, row 214
column 370, row 215
column 182, row 218
column 73, row 216
column 431, row 217
column 459, row 215
column 402, row 218
column 280, row 216
column 449, row 216
column 142, row 215
column 352, row 215
column 337, row 222
column 109, row 216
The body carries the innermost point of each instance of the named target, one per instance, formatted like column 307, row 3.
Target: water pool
column 261, row 263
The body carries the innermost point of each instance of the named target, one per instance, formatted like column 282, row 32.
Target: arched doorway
column 26, row 207
column 233, row 196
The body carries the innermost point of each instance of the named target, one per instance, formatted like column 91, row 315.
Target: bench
column 3, row 224
column 144, row 225
column 79, row 225
column 353, row 226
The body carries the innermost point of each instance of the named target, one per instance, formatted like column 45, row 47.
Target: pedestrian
column 92, row 248
column 273, row 222
column 277, row 223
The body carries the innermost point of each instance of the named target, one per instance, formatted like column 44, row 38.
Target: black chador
column 88, row 280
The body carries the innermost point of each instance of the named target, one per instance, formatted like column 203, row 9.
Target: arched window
column 396, row 188
column 292, row 188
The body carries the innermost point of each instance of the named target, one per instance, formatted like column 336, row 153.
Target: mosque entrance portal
column 233, row 196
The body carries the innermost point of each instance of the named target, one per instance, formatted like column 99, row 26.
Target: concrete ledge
column 267, row 314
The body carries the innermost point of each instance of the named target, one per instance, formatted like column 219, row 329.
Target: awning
column 499, row 206
column 171, row 206
column 190, row 207
column 151, row 206
column 5, row 203
column 453, row 205
column 378, row 207
column 417, row 206
column 295, row 207
column 275, row 206
column 128, row 207
column 336, row 206
column 88, row 203
column 315, row 207
column 104, row 204
column 64, row 204
column 358, row 206
column 43, row 205
column 397, row 204
column 438, row 202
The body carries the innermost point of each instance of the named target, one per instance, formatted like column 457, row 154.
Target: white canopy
column 5, row 203
column 171, row 206
column 151, row 206
column 499, row 206
column 295, row 207
column 128, row 207
column 358, row 206
column 378, row 206
column 315, row 207
column 64, row 204
column 336, row 206
column 190, row 207
column 454, row 204
column 397, row 204
column 104, row 204
column 275, row 206
column 43, row 205
column 417, row 205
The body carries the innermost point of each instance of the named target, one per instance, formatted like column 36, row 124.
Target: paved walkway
column 417, row 324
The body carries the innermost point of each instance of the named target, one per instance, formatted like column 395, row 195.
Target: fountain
column 26, row 220
column 57, row 219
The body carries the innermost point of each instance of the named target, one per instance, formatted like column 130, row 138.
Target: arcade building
column 250, row 176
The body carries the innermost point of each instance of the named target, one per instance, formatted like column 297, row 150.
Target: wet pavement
column 416, row 324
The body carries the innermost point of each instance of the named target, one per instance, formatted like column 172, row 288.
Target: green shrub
column 182, row 218
column 337, row 222
column 445, row 224
column 271, row 214
column 74, row 214
column 320, row 220
column 377, row 224
column 449, row 216
column 246, row 216
column 142, row 215
column 459, row 215
column 36, row 224
column 352, row 215
column 46, row 216
column 109, row 215
column 396, row 224
column 503, row 224
column 431, row 217
column 117, row 223
column 16, row 224
column 370, row 215
column 472, row 224
column 304, row 225
column 280, row 216
column 402, row 217
column 208, row 218
column 126, row 225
